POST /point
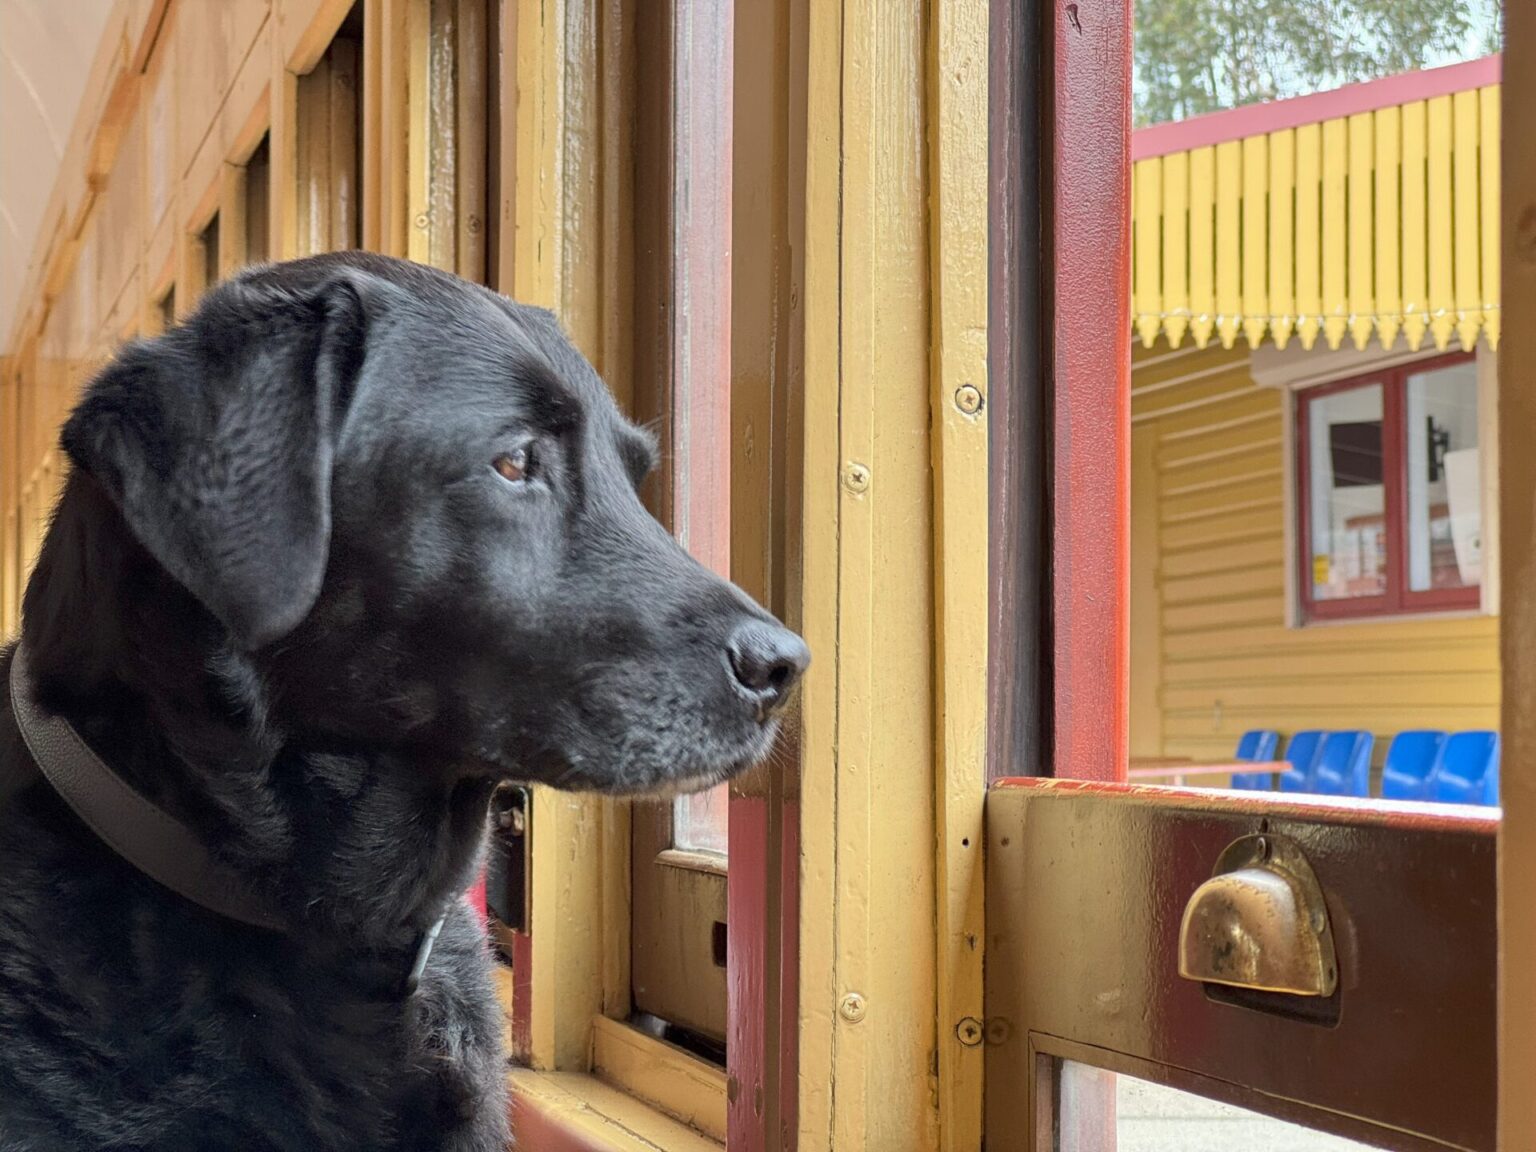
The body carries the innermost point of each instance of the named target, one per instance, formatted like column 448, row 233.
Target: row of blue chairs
column 1453, row 768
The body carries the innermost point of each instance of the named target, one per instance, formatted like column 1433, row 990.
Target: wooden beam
column 1517, row 634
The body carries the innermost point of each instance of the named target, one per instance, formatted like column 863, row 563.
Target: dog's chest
column 134, row 1023
column 377, row 1075
column 360, row 1069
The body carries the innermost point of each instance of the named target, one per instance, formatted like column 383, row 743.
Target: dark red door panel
column 1086, row 888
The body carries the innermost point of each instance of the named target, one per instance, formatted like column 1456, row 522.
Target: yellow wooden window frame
column 567, row 248
column 895, row 306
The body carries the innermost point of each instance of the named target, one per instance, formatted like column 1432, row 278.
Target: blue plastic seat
column 1302, row 752
column 1256, row 745
column 1410, row 762
column 1344, row 765
column 1467, row 769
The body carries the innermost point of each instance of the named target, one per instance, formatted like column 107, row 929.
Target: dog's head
column 411, row 506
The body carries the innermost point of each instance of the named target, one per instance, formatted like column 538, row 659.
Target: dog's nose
column 768, row 661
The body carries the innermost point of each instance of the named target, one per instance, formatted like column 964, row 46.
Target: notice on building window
column 1463, row 471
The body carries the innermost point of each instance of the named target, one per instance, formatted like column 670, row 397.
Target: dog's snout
column 767, row 661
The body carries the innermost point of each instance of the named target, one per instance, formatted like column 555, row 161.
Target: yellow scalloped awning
column 1382, row 222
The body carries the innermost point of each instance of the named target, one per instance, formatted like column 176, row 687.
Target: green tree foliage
column 1195, row 56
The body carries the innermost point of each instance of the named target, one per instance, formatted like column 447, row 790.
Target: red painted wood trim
column 757, row 1056
column 1089, row 210
column 1313, row 108
column 1395, row 474
column 476, row 895
column 789, row 976
column 757, row 911
column 522, row 997
column 1087, row 206
column 746, row 972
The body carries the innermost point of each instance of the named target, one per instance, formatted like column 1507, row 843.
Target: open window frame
column 641, row 249
column 1060, row 849
column 684, row 100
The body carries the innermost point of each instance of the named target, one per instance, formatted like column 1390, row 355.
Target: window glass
column 258, row 184
column 1445, row 517
column 1348, row 513
column 1155, row 1118
column 211, row 252
column 699, row 821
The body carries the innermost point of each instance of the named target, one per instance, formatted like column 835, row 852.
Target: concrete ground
column 1156, row 1119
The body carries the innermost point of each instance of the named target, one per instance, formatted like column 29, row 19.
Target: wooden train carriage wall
column 214, row 135
column 328, row 154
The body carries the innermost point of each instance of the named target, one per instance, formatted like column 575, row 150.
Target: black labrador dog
column 353, row 544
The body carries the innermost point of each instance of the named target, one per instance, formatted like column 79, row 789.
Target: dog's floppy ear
column 215, row 441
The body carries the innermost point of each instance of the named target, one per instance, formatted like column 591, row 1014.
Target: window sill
column 660, row 1074
column 1395, row 618
column 577, row 1112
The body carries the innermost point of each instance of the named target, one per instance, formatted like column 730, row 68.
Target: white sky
column 1480, row 40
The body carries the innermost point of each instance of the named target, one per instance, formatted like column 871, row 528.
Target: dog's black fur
column 289, row 597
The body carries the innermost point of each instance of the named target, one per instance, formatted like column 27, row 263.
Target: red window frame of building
column 1397, row 600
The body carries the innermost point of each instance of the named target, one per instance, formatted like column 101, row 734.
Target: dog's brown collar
column 146, row 836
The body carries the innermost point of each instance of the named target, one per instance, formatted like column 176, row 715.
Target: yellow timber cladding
column 1212, row 652
column 1367, row 220
column 1381, row 222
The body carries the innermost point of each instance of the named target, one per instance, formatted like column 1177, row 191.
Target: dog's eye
column 514, row 466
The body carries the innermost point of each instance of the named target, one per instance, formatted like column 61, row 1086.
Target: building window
column 258, row 204
column 209, row 241
column 329, row 115
column 1391, row 493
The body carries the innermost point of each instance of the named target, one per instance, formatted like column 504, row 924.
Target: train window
column 872, row 271
column 329, row 144
column 1164, row 587
column 450, row 142
column 1314, row 424
column 10, row 576
column 683, row 383
column 165, row 309
column 258, row 203
column 633, row 253
column 208, row 247
column 16, row 377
